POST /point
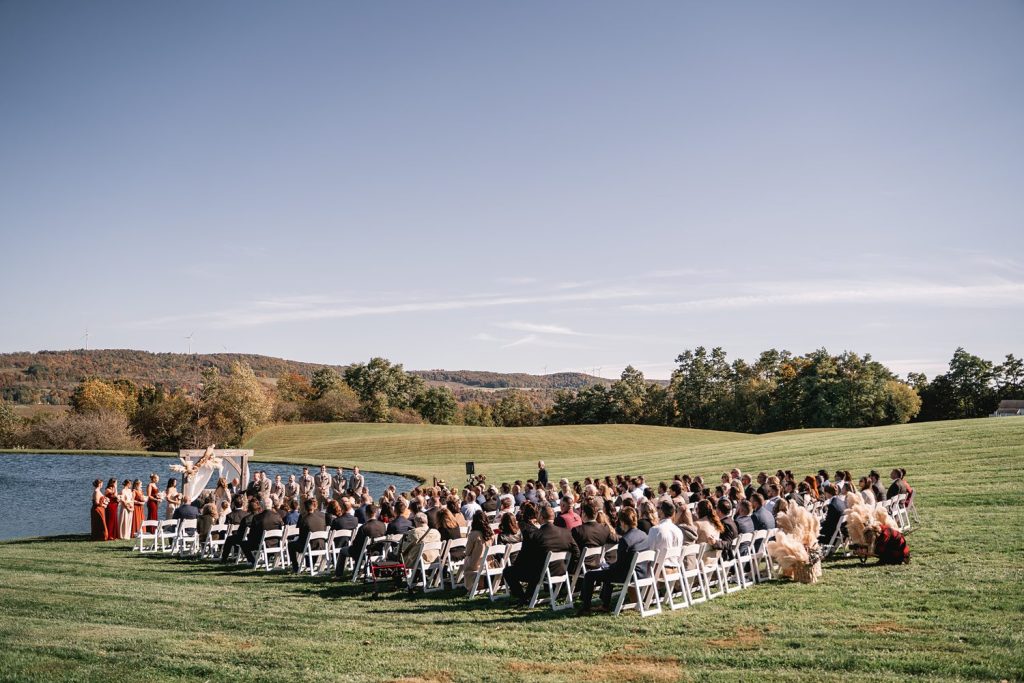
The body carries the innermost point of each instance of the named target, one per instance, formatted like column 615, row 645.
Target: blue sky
column 514, row 186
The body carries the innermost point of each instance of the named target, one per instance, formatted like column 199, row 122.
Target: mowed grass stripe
column 78, row 611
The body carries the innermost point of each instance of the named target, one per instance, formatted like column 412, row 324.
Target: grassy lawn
column 76, row 610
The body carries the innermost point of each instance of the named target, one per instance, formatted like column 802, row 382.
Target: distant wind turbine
column 86, row 337
column 189, row 338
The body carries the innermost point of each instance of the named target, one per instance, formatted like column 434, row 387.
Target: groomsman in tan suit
column 339, row 485
column 306, row 484
column 323, row 487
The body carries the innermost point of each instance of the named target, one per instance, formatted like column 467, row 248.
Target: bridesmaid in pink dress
column 139, row 507
column 113, row 532
column 153, row 498
column 98, row 516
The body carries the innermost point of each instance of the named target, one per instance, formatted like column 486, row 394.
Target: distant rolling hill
column 51, row 376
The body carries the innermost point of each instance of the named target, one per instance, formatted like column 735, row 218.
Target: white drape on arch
column 234, row 463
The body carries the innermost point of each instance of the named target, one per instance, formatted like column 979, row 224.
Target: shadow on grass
column 66, row 538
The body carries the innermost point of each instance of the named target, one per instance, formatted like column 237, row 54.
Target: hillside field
column 81, row 611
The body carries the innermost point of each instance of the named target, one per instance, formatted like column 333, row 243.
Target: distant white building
column 1009, row 409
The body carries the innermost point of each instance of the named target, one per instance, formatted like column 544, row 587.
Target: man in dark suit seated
column 590, row 534
column 313, row 520
column 187, row 510
column 374, row 528
column 235, row 539
column 529, row 564
column 238, row 511
column 631, row 541
column 743, row 520
column 834, row 512
column 401, row 523
column 268, row 520
column 347, row 518
column 729, row 531
column 762, row 518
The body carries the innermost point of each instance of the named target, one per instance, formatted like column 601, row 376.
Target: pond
column 50, row 495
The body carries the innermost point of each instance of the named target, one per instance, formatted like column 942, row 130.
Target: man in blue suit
column 762, row 518
column 834, row 512
column 630, row 542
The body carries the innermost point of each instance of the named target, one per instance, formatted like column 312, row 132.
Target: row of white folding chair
column 186, row 540
column 211, row 547
column 148, row 537
column 374, row 550
column 273, row 551
column 554, row 583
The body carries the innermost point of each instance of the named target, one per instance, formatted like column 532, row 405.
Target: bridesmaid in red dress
column 139, row 508
column 98, row 517
column 153, row 498
column 113, row 533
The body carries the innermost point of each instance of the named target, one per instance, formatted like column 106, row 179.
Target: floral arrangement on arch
column 207, row 458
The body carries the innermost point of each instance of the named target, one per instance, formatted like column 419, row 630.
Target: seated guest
column 709, row 530
column 729, row 529
column 771, row 503
column 235, row 540
column 187, row 510
column 567, row 518
column 665, row 537
column 866, row 494
column 268, row 520
column 528, row 566
column 632, row 541
column 373, row 528
column 479, row 539
column 238, row 511
column 508, row 529
column 401, row 523
column 684, row 520
column 205, row 521
column 591, row 534
column 415, row 537
column 744, row 522
column 648, row 516
column 761, row 517
column 312, row 521
column 897, row 486
column 331, row 511
column 876, row 486
column 291, row 518
column 836, row 506
column 347, row 518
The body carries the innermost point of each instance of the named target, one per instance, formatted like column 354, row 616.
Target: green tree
column 437, row 405
column 165, row 420
column 233, row 407
column 382, row 386
column 10, row 426
column 967, row 389
column 324, row 379
column 98, row 396
column 628, row 396
column 700, row 387
column 901, row 402
column 515, row 410
column 474, row 414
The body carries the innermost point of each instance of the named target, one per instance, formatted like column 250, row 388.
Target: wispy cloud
column 297, row 309
column 541, row 329
column 823, row 292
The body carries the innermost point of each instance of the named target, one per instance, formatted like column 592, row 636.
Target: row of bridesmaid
column 118, row 514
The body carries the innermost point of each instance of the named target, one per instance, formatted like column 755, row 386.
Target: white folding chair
column 369, row 553
column 493, row 557
column 186, row 541
column 912, row 507
column 902, row 515
column 336, row 540
column 148, row 537
column 691, row 562
column 838, row 538
column 760, row 545
column 453, row 565
column 167, row 531
column 554, row 583
column 316, row 553
column 669, row 573
column 729, row 568
column 714, row 581
column 428, row 575
column 745, row 560
column 495, row 576
column 211, row 547
column 582, row 569
column 645, row 589
column 291, row 533
column 272, row 551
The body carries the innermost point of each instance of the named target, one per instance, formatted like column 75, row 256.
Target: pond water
column 50, row 495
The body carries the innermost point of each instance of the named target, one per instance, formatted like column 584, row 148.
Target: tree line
column 778, row 391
